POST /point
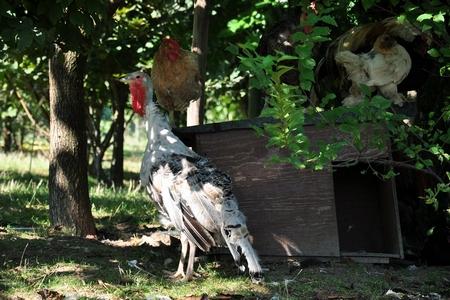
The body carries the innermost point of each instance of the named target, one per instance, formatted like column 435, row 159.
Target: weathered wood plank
column 290, row 212
column 314, row 133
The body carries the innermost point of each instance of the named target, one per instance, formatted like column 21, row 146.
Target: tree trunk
column 8, row 137
column 95, row 150
column 196, row 110
column 96, row 167
column 69, row 202
column 255, row 102
column 120, row 97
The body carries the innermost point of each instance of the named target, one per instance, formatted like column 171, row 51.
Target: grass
column 23, row 197
column 33, row 258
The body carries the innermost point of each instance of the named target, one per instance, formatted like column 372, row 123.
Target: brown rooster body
column 384, row 67
column 175, row 76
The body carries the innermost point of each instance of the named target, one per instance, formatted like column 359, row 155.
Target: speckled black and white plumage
column 192, row 194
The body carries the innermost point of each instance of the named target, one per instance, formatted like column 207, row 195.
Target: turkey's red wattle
column 138, row 97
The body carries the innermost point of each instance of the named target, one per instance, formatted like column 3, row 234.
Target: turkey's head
column 171, row 49
column 140, row 84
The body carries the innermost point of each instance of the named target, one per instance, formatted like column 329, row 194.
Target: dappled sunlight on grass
column 23, row 201
column 116, row 205
column 20, row 163
column 75, row 266
column 24, row 195
column 90, row 268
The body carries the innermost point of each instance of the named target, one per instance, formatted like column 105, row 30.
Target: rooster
column 191, row 193
column 175, row 76
column 384, row 67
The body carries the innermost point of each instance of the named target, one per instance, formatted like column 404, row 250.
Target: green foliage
column 286, row 103
column 29, row 26
column 424, row 143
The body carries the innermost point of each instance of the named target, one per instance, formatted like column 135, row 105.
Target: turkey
column 193, row 195
column 384, row 67
column 389, row 49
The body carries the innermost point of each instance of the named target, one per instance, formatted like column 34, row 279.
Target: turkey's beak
column 125, row 79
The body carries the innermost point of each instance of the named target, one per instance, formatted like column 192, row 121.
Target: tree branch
column 24, row 105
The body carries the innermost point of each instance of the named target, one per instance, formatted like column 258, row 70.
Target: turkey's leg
column 390, row 91
column 190, row 266
column 184, row 247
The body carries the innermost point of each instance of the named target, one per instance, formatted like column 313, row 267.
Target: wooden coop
column 304, row 213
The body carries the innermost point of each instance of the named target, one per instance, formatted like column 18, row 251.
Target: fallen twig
column 23, row 254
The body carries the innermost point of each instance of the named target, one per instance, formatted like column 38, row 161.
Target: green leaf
column 419, row 165
column 320, row 30
column 307, row 74
column 426, row 27
column 433, row 52
column 306, row 85
column 233, row 49
column 445, row 51
column 439, row 18
column 390, row 174
column 348, row 128
column 368, row 3
column 298, row 36
column 267, row 61
column 308, row 63
column 435, row 150
column 10, row 112
column 329, row 20
column 380, row 102
column 426, row 16
column 234, row 25
column 287, row 57
column 428, row 163
column 280, row 71
column 365, row 89
column 401, row 18
column 304, row 51
column 325, row 100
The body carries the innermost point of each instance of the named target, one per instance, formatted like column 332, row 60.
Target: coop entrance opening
column 367, row 214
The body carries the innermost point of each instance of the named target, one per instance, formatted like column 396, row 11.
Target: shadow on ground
column 35, row 263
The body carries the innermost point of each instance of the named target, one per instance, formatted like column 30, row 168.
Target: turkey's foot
column 174, row 275
column 193, row 276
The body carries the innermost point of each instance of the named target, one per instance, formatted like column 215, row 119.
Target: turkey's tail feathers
column 353, row 64
column 197, row 233
column 254, row 267
column 348, row 60
column 236, row 235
